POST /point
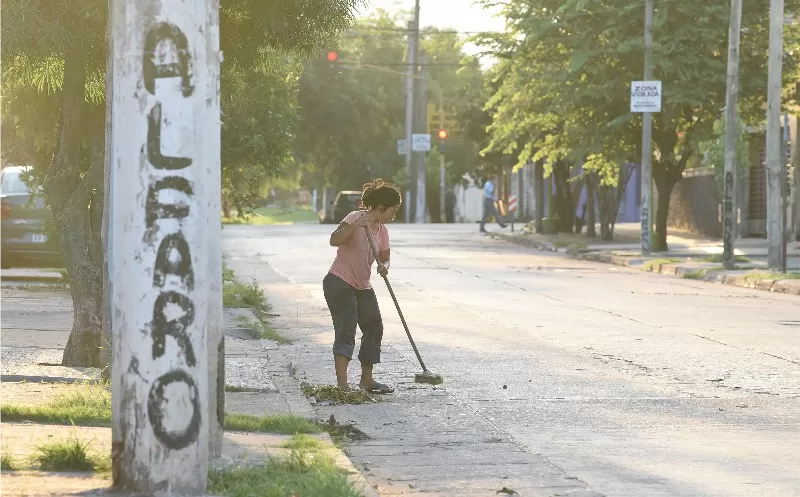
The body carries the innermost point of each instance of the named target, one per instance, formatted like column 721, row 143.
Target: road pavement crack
column 792, row 361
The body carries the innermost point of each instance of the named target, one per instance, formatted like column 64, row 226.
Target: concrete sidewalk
column 36, row 326
column 689, row 256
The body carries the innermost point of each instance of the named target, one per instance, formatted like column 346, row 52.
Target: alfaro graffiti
column 173, row 257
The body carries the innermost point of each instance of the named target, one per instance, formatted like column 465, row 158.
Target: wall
column 469, row 202
column 695, row 203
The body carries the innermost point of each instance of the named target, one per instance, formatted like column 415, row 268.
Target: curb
column 47, row 277
column 527, row 242
column 288, row 386
column 670, row 269
column 19, row 378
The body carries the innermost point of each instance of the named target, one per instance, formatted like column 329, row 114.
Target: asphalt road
column 627, row 383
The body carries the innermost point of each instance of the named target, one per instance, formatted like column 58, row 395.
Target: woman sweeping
column 347, row 287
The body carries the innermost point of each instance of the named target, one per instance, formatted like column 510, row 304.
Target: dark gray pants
column 350, row 308
column 489, row 210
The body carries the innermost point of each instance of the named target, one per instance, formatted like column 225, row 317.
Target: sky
column 460, row 15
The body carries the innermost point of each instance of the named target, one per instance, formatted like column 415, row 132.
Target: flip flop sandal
column 379, row 388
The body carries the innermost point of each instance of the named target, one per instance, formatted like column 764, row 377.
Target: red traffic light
column 442, row 134
column 332, row 56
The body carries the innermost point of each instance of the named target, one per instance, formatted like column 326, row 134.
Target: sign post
column 421, row 142
column 512, row 209
column 646, row 98
column 402, row 147
column 164, row 251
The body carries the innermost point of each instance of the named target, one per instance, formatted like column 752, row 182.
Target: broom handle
column 391, row 292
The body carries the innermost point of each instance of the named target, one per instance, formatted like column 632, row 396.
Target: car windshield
column 13, row 184
column 354, row 198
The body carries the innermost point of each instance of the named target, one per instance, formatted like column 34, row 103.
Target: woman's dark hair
column 380, row 192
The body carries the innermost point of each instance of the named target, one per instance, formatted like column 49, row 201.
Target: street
column 562, row 377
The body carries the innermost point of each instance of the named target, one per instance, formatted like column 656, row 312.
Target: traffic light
column 333, row 56
column 442, row 134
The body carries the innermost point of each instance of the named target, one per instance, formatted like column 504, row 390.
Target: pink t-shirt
column 354, row 257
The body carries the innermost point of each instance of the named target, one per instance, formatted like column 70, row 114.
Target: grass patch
column 237, row 294
column 238, row 389
column 7, row 463
column 717, row 258
column 303, row 442
column 89, row 405
column 41, row 287
column 262, row 329
column 68, row 455
column 309, row 470
column 698, row 274
column 344, row 433
column 336, row 395
column 772, row 275
column 283, row 423
column 654, row 265
column 275, row 215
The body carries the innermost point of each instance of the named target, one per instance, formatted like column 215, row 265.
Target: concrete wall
column 695, row 204
column 469, row 202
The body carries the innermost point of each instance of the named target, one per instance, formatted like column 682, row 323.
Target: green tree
column 566, row 67
column 53, row 67
column 353, row 110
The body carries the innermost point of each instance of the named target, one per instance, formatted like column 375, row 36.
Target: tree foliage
column 565, row 70
column 353, row 110
column 53, row 69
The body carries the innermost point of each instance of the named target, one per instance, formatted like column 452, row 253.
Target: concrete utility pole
column 731, row 138
column 421, row 125
column 413, row 42
column 794, row 136
column 105, row 352
column 442, row 199
column 164, row 236
column 774, row 162
column 538, row 188
column 647, row 135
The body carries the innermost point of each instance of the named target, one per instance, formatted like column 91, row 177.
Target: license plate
column 38, row 238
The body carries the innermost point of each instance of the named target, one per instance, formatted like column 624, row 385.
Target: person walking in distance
column 489, row 200
column 348, row 292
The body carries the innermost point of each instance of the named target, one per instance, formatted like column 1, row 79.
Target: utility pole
column 164, row 230
column 413, row 39
column 647, row 137
column 538, row 189
column 105, row 351
column 794, row 136
column 421, row 125
column 731, row 138
column 442, row 200
column 774, row 161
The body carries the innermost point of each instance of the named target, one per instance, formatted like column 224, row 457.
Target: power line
column 555, row 16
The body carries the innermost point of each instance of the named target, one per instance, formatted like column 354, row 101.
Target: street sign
column 402, row 147
column 645, row 96
column 512, row 203
column 420, row 142
column 448, row 120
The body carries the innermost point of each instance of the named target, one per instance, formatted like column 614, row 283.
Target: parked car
column 345, row 202
column 24, row 240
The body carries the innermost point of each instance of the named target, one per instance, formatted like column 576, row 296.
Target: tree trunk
column 565, row 207
column 607, row 212
column 76, row 203
column 226, row 208
column 538, row 187
column 665, row 180
column 590, row 212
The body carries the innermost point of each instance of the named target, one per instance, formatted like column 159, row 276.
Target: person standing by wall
column 489, row 201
